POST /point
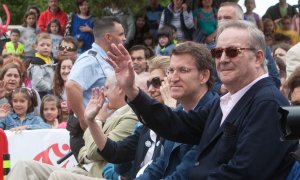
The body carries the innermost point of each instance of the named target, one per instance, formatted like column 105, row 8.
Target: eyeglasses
column 180, row 70
column 230, row 52
column 155, row 82
column 67, row 48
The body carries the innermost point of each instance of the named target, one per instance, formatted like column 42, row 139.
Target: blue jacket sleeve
column 272, row 69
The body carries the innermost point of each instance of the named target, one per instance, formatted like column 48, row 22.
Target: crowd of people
column 175, row 92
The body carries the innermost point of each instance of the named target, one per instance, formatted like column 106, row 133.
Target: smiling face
column 65, row 69
column 50, row 111
column 12, row 79
column 20, row 104
column 184, row 77
column 44, row 47
column 238, row 71
column 155, row 91
column 84, row 7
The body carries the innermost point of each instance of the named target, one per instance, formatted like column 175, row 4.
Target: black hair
column 30, row 95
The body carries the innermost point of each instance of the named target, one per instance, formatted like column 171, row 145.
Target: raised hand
column 4, row 110
column 120, row 60
column 166, row 95
column 94, row 105
column 104, row 112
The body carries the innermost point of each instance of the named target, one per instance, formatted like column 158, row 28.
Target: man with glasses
column 90, row 70
column 238, row 135
column 233, row 11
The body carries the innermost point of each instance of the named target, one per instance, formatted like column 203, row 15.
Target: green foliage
column 17, row 8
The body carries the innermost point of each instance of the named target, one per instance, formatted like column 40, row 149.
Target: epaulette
column 93, row 53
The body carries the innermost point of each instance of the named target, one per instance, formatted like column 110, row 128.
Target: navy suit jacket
column 176, row 158
column 246, row 146
column 131, row 148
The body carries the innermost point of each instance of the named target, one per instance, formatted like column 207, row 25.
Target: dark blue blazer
column 246, row 146
column 131, row 148
column 176, row 158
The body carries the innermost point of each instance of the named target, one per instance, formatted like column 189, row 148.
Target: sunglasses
column 155, row 82
column 230, row 52
column 67, row 48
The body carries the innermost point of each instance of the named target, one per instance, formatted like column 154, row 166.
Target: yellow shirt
column 47, row 60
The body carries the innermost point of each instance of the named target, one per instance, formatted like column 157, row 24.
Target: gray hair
column 238, row 9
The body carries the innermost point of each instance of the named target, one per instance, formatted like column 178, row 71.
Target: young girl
column 23, row 101
column 165, row 41
column 251, row 16
column 54, row 28
column 29, row 31
column 51, row 111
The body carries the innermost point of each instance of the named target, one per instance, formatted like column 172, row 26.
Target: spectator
column 141, row 27
column 280, row 10
column 28, row 32
column 51, row 110
column 149, row 41
column 10, row 79
column 82, row 24
column 179, row 15
column 14, row 47
column 41, row 68
column 53, row 12
column 62, row 71
column 165, row 42
column 140, row 54
column 284, row 27
column 296, row 20
column 23, row 101
column 67, row 49
column 205, row 22
column 92, row 64
column 251, row 16
column 280, row 50
column 193, row 94
column 116, row 126
column 34, row 9
column 53, row 28
column 153, row 14
column 226, row 131
column 142, row 145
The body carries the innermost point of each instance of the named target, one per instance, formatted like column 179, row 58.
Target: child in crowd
column 251, row 16
column 14, row 46
column 53, row 28
column 149, row 41
column 41, row 68
column 51, row 111
column 29, row 31
column 284, row 27
column 23, row 101
column 165, row 41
